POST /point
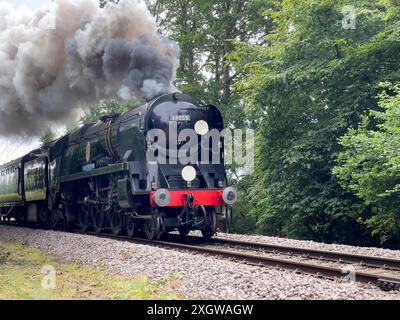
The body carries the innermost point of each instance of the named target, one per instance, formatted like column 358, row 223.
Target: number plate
column 183, row 118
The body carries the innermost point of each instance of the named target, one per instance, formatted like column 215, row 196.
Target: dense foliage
column 302, row 73
column 369, row 166
column 304, row 89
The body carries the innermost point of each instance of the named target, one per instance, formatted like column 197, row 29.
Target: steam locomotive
column 101, row 177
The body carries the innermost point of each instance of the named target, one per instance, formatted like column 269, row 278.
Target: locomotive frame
column 99, row 177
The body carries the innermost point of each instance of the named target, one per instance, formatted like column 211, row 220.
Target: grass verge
column 24, row 270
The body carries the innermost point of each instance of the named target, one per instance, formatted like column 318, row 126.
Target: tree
column 95, row 112
column 304, row 89
column 369, row 166
column 206, row 32
column 104, row 2
column 244, row 220
column 48, row 137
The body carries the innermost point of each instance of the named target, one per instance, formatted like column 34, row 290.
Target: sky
column 32, row 4
column 12, row 148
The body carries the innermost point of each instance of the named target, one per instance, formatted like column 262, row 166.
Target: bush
column 3, row 255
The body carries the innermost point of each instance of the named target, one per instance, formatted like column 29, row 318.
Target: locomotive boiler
column 109, row 176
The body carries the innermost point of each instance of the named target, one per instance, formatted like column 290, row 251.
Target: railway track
column 306, row 253
column 196, row 245
column 329, row 272
column 322, row 255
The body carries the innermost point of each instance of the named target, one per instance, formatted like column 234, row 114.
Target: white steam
column 57, row 59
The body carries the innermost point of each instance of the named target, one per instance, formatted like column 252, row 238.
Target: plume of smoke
column 57, row 59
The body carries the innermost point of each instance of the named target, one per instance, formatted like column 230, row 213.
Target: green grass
column 21, row 278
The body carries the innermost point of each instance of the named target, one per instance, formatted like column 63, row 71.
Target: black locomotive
column 100, row 176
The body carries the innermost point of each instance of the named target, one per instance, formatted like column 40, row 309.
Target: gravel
column 378, row 252
column 196, row 276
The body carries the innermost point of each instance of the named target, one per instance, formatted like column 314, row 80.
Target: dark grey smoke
column 56, row 60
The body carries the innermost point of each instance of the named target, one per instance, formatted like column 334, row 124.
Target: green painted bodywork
column 11, row 197
column 88, row 145
column 95, row 173
column 36, row 195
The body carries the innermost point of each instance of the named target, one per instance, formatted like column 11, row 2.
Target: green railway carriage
column 23, row 187
column 10, row 184
column 35, row 186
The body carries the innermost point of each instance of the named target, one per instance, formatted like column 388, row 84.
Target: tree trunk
column 226, row 71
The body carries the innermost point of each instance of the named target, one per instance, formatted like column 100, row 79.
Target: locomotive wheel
column 84, row 219
column 183, row 232
column 130, row 226
column 43, row 217
column 152, row 228
column 57, row 219
column 54, row 219
column 98, row 219
column 116, row 222
column 209, row 230
column 21, row 218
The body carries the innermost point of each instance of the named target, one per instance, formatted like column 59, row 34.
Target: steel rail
column 383, row 282
column 334, row 256
column 333, row 273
